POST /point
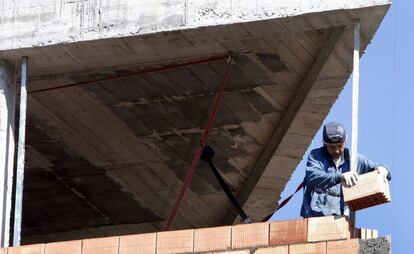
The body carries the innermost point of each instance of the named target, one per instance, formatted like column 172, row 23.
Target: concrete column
column 7, row 115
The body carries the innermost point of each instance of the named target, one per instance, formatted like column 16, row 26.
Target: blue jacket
column 322, row 194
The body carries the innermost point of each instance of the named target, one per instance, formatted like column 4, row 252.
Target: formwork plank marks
column 247, row 63
column 237, row 80
column 237, row 103
column 186, row 81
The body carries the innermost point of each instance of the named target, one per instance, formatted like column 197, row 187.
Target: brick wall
column 323, row 235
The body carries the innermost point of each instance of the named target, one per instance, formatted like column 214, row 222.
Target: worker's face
column 335, row 150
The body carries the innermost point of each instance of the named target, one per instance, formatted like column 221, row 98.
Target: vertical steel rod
column 20, row 156
column 355, row 98
column 355, row 95
column 7, row 113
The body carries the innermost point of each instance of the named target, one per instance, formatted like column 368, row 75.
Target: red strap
column 132, row 74
column 197, row 155
column 284, row 202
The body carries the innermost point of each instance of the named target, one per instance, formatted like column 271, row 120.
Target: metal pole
column 207, row 156
column 355, row 97
column 20, row 156
column 244, row 217
column 7, row 114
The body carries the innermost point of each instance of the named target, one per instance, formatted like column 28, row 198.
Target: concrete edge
column 381, row 245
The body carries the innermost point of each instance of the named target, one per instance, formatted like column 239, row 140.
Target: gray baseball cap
column 334, row 132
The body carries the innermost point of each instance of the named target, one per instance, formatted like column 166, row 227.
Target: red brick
column 233, row 252
column 371, row 189
column 175, row 241
column 284, row 249
column 250, row 235
column 70, row 247
column 212, row 239
column 328, row 228
column 308, row 248
column 364, row 234
column 143, row 244
column 287, row 232
column 27, row 249
column 374, row 233
column 368, row 233
column 343, row 247
column 105, row 245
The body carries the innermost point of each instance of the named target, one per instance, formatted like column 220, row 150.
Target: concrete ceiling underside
column 109, row 157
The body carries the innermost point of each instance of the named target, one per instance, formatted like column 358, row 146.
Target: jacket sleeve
column 365, row 165
column 317, row 177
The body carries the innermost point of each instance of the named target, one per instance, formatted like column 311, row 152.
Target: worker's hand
column 349, row 178
column 383, row 171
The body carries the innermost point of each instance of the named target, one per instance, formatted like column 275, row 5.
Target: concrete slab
column 124, row 144
column 27, row 24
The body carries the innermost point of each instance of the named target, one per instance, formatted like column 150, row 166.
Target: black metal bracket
column 207, row 156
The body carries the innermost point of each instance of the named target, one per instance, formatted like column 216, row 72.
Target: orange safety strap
column 203, row 141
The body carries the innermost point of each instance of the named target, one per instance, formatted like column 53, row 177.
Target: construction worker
column 327, row 168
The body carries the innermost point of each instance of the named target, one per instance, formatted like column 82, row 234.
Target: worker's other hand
column 383, row 171
column 349, row 178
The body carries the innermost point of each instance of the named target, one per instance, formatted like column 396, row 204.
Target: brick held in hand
column 371, row 189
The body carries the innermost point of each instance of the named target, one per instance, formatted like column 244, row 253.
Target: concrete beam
column 286, row 121
column 35, row 23
column 7, row 114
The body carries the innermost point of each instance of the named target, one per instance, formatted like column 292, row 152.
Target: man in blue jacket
column 328, row 167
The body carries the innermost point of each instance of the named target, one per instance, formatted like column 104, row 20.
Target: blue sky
column 386, row 116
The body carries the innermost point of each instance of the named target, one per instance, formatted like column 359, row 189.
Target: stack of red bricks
column 323, row 235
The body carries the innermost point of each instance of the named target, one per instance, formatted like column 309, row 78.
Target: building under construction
column 122, row 94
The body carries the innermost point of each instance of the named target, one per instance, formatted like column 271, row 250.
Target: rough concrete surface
column 31, row 23
column 381, row 245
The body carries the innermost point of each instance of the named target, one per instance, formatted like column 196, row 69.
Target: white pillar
column 355, row 101
column 18, row 204
column 7, row 115
column 355, row 98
